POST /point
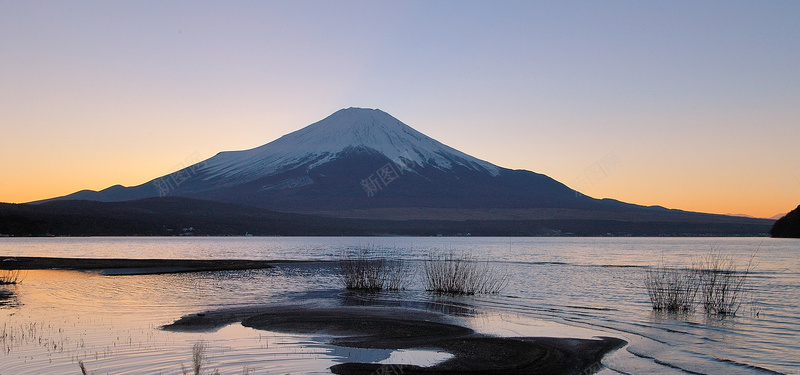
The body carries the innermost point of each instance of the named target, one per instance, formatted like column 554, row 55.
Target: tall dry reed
column 363, row 272
column 451, row 274
column 672, row 289
column 722, row 284
column 9, row 277
column 715, row 277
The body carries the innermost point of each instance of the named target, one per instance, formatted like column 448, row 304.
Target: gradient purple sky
column 689, row 105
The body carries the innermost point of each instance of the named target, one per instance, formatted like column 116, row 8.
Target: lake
column 566, row 287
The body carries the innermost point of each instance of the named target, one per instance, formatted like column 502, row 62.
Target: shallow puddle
column 511, row 325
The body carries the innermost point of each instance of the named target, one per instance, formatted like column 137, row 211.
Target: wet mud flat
column 399, row 328
column 119, row 266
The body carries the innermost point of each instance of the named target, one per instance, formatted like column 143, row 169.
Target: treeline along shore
column 171, row 216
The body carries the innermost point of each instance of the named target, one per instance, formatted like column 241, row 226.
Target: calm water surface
column 575, row 287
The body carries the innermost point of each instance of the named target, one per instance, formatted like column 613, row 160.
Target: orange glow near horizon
column 699, row 103
column 57, row 179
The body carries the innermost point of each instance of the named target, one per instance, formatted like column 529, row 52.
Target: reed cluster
column 451, row 274
column 199, row 357
column 672, row 289
column 9, row 277
column 723, row 285
column 365, row 273
column 715, row 277
column 362, row 273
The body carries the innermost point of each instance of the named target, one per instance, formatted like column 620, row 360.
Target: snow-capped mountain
column 344, row 131
column 365, row 163
column 355, row 160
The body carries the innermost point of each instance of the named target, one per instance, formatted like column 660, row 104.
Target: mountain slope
column 366, row 164
column 353, row 159
column 344, row 131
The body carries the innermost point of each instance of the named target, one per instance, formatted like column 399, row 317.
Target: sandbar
column 118, row 266
column 401, row 328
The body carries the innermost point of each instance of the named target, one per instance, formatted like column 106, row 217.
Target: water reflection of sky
column 110, row 324
column 56, row 318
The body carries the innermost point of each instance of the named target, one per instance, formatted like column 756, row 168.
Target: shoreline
column 121, row 266
column 402, row 328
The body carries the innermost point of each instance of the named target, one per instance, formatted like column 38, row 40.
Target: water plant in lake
column 451, row 274
column 720, row 285
column 198, row 358
column 672, row 289
column 10, row 277
column 362, row 273
column 365, row 273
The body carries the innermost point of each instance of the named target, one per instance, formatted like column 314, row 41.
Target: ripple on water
column 111, row 323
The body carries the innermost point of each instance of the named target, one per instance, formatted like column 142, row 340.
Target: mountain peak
column 344, row 130
column 362, row 124
column 356, row 111
column 353, row 126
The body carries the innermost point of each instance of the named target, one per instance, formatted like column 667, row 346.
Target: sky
column 691, row 105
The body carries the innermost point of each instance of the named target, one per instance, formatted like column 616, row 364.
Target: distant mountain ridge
column 365, row 164
column 174, row 216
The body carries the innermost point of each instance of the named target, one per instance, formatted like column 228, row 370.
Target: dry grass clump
column 365, row 273
column 362, row 273
column 715, row 277
column 672, row 289
column 397, row 275
column 722, row 284
column 451, row 274
column 198, row 357
column 10, row 277
column 448, row 274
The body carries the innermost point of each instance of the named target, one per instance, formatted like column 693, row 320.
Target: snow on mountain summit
column 345, row 130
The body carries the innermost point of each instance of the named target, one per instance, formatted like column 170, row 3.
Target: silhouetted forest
column 170, row 216
column 787, row 226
